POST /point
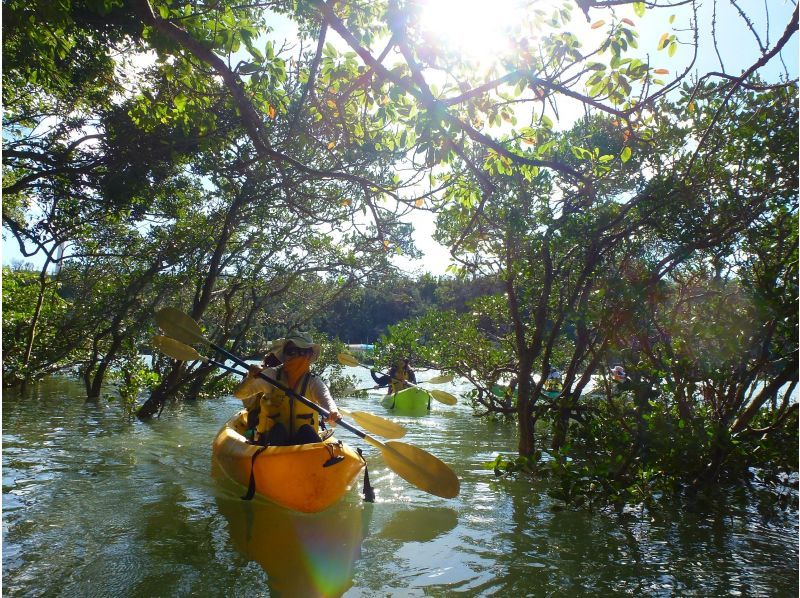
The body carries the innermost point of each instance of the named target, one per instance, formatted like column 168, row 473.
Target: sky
column 477, row 28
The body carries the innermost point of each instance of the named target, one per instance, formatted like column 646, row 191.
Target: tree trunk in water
column 201, row 376
column 87, row 377
column 97, row 381
column 642, row 394
column 160, row 394
column 527, row 439
column 561, row 424
column 37, row 312
column 720, row 449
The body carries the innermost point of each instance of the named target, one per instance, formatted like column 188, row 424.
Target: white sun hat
column 298, row 339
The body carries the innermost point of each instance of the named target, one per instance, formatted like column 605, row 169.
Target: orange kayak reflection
column 303, row 555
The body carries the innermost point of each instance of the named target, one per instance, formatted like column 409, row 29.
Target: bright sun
column 476, row 29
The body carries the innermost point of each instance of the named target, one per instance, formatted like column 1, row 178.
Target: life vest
column 280, row 407
column 552, row 385
column 399, row 378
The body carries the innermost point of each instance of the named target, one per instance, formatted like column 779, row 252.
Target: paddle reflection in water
column 421, row 524
column 303, row 555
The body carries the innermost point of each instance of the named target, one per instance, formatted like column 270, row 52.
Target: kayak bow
column 411, row 401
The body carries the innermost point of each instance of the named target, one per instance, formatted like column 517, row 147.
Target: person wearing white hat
column 618, row 374
column 283, row 420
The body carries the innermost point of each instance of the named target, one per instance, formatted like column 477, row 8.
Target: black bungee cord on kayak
column 251, row 486
column 369, row 493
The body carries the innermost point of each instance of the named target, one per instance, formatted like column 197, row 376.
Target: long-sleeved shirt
column 380, row 379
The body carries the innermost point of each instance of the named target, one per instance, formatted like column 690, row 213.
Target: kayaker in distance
column 553, row 383
column 618, row 374
column 400, row 373
column 282, row 420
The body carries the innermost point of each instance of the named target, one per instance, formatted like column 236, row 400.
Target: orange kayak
column 306, row 477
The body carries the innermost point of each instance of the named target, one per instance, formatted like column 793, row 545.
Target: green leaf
column 638, row 9
column 180, row 102
column 163, row 11
column 626, row 153
column 594, row 79
column 595, row 90
column 581, row 153
column 330, row 50
column 673, row 47
column 623, row 82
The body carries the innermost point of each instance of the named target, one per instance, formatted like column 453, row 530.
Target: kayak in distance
column 409, row 401
column 502, row 391
column 306, row 477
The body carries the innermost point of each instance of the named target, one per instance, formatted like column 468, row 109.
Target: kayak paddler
column 282, row 420
column 553, row 383
column 618, row 374
column 399, row 374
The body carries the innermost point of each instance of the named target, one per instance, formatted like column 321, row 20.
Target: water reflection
column 302, row 555
column 95, row 504
column 421, row 524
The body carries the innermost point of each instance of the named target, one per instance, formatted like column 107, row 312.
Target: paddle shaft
column 222, row 366
column 307, row 402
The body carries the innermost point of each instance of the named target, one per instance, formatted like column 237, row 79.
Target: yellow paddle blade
column 418, row 467
column 439, row 379
column 175, row 349
column 375, row 424
column 179, row 325
column 347, row 359
column 442, row 396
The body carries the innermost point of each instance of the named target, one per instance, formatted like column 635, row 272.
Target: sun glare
column 476, row 29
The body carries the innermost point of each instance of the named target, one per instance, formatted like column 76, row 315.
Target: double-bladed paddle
column 435, row 380
column 411, row 463
column 439, row 395
column 183, row 352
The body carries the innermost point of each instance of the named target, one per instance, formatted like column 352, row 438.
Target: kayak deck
column 306, row 477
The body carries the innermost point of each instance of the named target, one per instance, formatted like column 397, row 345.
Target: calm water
column 97, row 505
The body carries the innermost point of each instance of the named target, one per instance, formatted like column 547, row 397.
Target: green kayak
column 501, row 391
column 410, row 401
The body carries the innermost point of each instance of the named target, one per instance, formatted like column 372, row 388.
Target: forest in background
column 172, row 153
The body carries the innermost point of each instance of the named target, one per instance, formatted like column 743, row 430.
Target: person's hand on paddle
column 332, row 418
column 253, row 370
